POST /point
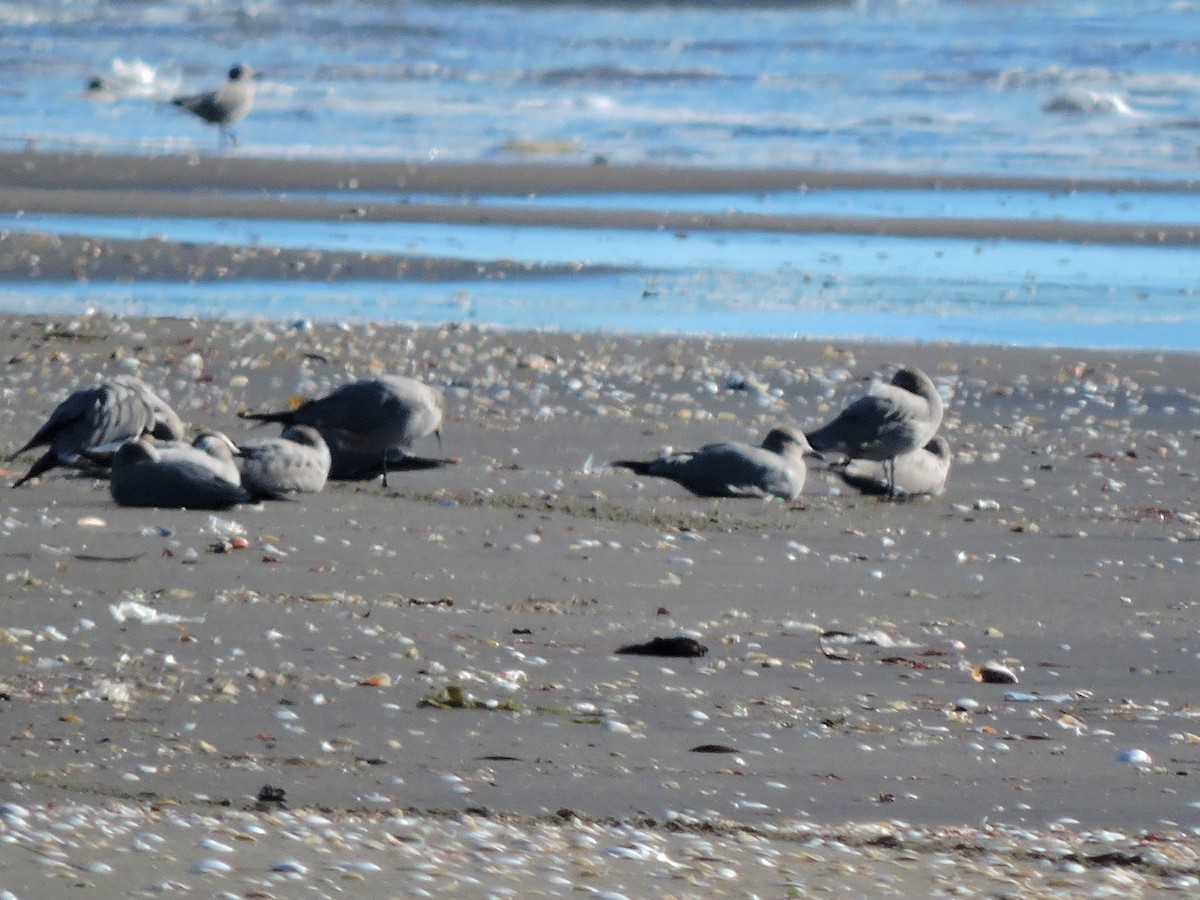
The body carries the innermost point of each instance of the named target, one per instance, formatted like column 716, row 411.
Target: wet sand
column 153, row 687
column 215, row 187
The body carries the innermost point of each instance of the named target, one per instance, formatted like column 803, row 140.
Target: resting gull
column 775, row 468
column 143, row 477
column 295, row 462
column 367, row 420
column 923, row 471
column 892, row 419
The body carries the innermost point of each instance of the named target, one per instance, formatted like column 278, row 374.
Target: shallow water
column 744, row 283
column 1072, row 89
column 1069, row 87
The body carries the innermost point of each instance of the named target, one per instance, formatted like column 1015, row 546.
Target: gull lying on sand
column 923, row 471
column 366, row 421
column 775, row 468
column 211, row 450
column 141, row 476
column 225, row 104
column 114, row 411
column 892, row 419
column 295, row 462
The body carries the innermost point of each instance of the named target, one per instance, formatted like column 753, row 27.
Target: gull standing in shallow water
column 892, row 419
column 224, row 105
column 143, row 477
column 113, row 411
column 295, row 462
column 365, row 422
column 923, row 471
column 775, row 468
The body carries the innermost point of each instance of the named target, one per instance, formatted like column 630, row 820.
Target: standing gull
column 923, row 471
column 109, row 413
column 143, row 477
column 775, row 468
column 366, row 422
column 295, row 462
column 225, row 104
column 892, row 419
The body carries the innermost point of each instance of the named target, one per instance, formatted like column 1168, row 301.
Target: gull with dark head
column 224, row 105
column 774, row 468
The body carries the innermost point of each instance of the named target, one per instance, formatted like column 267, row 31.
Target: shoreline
column 171, row 186
column 98, row 171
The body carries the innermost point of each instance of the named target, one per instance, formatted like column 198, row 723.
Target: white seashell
column 13, row 811
column 289, row 865
column 225, row 528
column 1135, row 757
column 211, row 867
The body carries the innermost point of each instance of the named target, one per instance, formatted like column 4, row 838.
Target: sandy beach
column 276, row 718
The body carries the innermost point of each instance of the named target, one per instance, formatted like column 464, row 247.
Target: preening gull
column 890, row 420
column 368, row 420
column 113, row 411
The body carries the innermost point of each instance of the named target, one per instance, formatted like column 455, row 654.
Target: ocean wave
column 623, row 75
column 1080, row 101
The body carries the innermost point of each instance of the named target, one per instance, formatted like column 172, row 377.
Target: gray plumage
column 211, row 450
column 295, row 462
column 141, row 477
column 892, row 419
column 352, row 464
column 114, row 411
column 923, row 471
column 775, row 468
column 225, row 104
column 367, row 420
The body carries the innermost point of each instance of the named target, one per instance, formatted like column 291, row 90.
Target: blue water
column 898, row 85
column 1068, row 88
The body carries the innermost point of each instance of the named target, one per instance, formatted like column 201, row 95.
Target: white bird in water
column 775, row 468
column 141, row 476
column 366, row 422
column 113, row 411
column 892, row 419
column 226, row 104
column 923, row 471
column 295, row 462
